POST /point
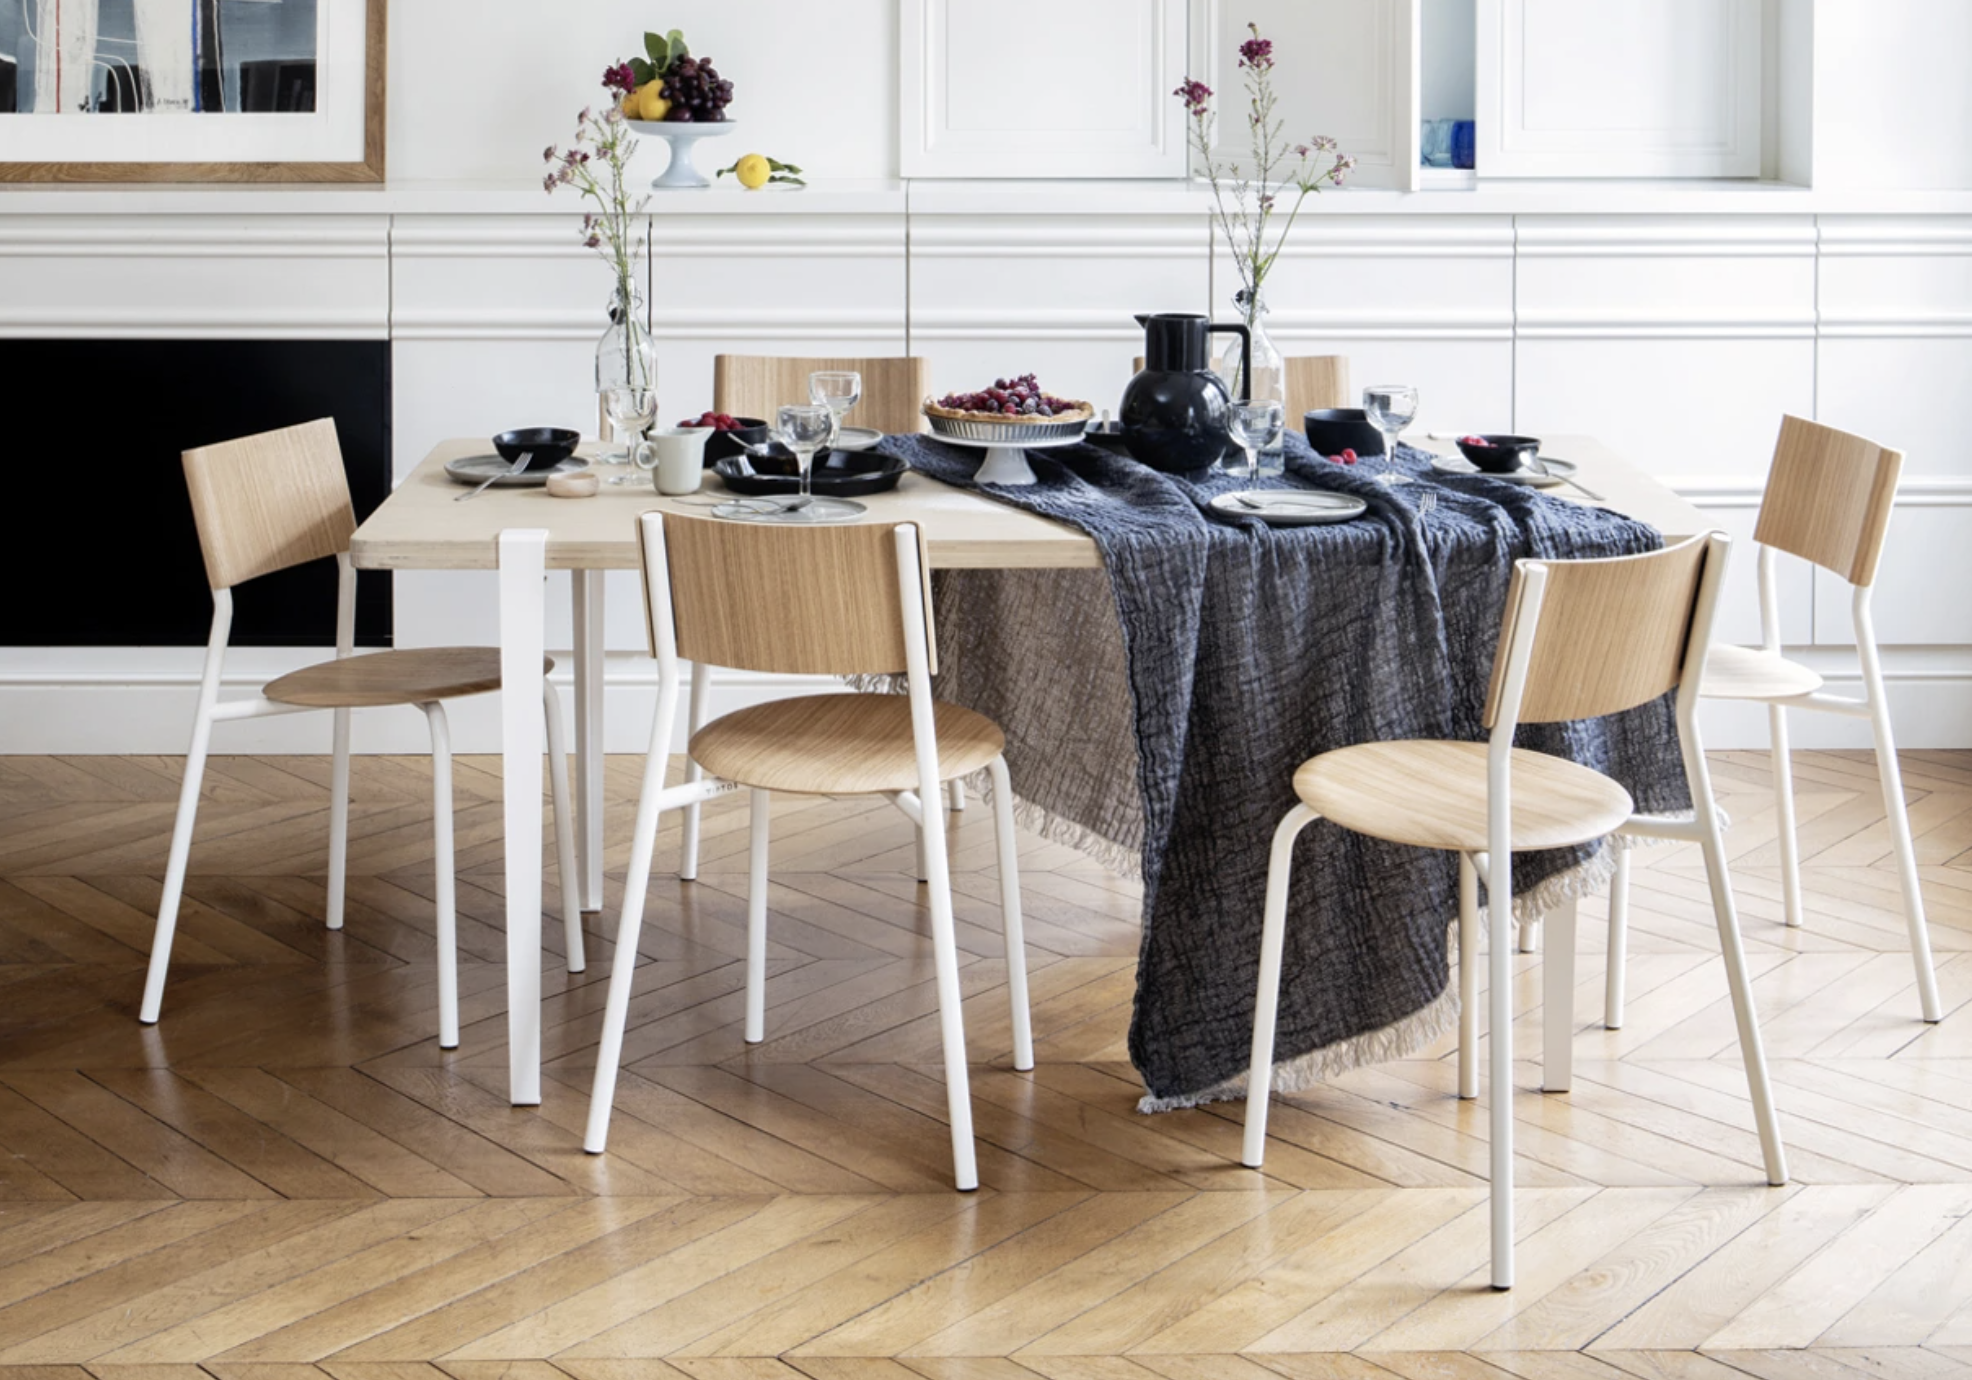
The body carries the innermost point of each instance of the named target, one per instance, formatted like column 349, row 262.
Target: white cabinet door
column 1619, row 88
column 1345, row 68
column 1037, row 88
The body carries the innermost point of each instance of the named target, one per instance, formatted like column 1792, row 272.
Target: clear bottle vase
column 1269, row 373
column 626, row 358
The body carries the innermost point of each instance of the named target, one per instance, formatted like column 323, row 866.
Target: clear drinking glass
column 631, row 412
column 1255, row 427
column 1390, row 407
column 838, row 390
column 804, row 428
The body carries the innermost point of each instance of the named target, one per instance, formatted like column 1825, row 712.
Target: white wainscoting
column 1680, row 339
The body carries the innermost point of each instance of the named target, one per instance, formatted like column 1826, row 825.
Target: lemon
column 651, row 104
column 753, row 171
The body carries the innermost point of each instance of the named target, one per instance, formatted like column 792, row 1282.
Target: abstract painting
column 205, row 90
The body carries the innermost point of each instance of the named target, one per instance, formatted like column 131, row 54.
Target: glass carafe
column 1269, row 371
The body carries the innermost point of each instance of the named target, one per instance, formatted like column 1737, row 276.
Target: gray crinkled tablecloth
column 1155, row 711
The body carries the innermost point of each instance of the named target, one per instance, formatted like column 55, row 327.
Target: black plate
column 837, row 473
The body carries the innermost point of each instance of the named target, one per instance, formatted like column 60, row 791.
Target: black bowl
column 1501, row 454
column 1332, row 430
column 545, row 446
column 723, row 445
column 836, row 473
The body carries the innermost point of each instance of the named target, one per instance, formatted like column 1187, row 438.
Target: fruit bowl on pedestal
column 681, row 135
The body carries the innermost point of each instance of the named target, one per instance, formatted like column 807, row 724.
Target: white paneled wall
column 1679, row 339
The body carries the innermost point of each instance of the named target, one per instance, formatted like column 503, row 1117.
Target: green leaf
column 791, row 181
column 659, row 50
column 642, row 71
column 779, row 166
column 675, row 40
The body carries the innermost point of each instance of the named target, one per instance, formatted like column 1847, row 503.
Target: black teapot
column 1174, row 412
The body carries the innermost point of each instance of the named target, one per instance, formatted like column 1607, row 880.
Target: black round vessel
column 1175, row 420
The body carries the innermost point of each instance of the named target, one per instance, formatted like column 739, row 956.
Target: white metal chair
column 1581, row 639
column 811, row 601
column 1828, row 500
column 279, row 499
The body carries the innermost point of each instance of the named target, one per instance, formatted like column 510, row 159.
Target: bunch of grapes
column 1020, row 397
column 696, row 91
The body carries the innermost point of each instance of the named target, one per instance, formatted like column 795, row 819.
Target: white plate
column 857, row 438
column 477, row 469
column 1290, row 507
column 1558, row 472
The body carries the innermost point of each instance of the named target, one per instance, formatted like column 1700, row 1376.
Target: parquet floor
column 288, row 1179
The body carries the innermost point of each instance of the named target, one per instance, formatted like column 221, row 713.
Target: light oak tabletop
column 421, row 527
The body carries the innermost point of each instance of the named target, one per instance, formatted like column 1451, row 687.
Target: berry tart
column 1019, row 400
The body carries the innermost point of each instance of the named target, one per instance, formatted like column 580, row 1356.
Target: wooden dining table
column 520, row 534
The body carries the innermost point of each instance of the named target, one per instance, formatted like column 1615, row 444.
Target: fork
column 1427, row 502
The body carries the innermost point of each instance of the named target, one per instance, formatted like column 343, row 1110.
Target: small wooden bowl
column 581, row 484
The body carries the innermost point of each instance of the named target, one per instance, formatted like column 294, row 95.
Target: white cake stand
column 681, row 136
column 1006, row 463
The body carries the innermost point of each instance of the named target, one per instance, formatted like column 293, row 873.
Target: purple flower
column 1257, row 53
column 619, row 78
column 548, row 154
column 1196, row 96
column 1323, row 144
column 593, row 242
column 550, row 182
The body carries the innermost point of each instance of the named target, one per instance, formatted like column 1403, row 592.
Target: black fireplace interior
column 108, row 555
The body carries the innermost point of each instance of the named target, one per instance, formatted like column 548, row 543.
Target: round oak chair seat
column 840, row 745
column 1433, row 795
column 1752, row 673
column 413, row 675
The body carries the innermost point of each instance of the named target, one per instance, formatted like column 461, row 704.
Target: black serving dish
column 837, row 473
column 545, row 446
column 1504, row 454
column 723, row 445
column 1109, row 436
column 1332, row 430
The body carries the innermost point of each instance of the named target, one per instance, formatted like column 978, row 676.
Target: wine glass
column 631, row 412
column 804, row 428
column 1390, row 407
column 838, row 390
column 1254, row 427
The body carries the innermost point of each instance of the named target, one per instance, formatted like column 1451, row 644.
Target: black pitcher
column 1174, row 412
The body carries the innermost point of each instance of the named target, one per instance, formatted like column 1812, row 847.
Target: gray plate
column 1290, row 507
column 1558, row 472
column 477, row 469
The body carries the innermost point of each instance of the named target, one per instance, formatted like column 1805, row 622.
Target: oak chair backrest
column 1828, row 498
column 894, row 389
column 790, row 600
column 1613, row 634
column 1313, row 382
column 267, row 502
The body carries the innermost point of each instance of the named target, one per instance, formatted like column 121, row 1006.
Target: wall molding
column 299, row 321
column 269, row 237
column 1895, row 236
column 1927, row 326
column 422, row 324
column 1554, row 325
column 1132, row 237
column 1627, row 237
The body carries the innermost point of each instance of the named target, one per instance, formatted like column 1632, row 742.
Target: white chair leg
column 444, row 888
column 623, row 965
column 1499, row 1074
column 564, row 818
column 174, row 869
column 1783, row 801
column 1752, row 1050
column 924, row 858
column 1266, row 999
column 1616, row 973
column 1558, row 999
column 951, row 1011
column 695, row 720
column 1893, row 804
column 1010, row 918
column 1530, row 936
column 760, row 810
column 955, row 792
column 338, row 820
column 1468, row 977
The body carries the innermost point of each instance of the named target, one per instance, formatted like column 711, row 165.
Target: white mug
column 680, row 458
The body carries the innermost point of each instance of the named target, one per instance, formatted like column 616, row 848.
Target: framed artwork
column 192, row 90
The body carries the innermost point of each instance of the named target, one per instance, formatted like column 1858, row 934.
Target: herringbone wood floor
column 288, row 1177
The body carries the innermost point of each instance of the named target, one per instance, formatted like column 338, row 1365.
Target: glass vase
column 626, row 372
column 1267, row 381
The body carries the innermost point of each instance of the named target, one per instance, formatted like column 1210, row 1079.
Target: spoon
column 513, row 469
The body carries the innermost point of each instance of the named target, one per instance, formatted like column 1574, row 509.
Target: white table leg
column 1558, row 999
column 588, row 592
column 523, row 602
column 1530, row 936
